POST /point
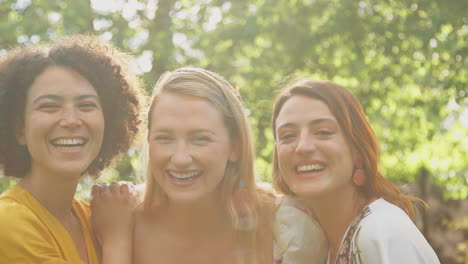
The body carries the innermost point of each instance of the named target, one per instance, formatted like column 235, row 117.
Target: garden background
column 406, row 60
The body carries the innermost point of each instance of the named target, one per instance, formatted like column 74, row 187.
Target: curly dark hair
column 103, row 65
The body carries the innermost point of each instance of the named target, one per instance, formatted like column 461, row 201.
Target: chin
column 72, row 169
column 307, row 191
column 186, row 198
column 182, row 199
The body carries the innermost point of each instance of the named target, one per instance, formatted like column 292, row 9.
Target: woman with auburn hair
column 58, row 122
column 327, row 155
column 201, row 202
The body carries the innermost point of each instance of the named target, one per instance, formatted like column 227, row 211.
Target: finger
column 130, row 185
column 126, row 182
column 104, row 189
column 133, row 188
column 94, row 190
column 125, row 188
column 114, row 187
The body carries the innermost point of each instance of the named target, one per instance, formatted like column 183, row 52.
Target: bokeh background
column 406, row 60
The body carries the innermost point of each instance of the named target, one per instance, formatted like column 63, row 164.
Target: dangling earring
column 359, row 178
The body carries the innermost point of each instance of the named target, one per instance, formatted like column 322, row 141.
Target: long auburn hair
column 358, row 132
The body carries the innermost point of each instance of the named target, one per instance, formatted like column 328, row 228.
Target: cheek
column 158, row 154
column 220, row 155
column 154, row 153
column 284, row 152
column 340, row 155
column 284, row 161
column 154, row 159
column 213, row 153
column 99, row 122
column 34, row 128
column 331, row 148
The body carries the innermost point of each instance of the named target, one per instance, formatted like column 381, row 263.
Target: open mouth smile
column 69, row 143
column 184, row 176
column 310, row 168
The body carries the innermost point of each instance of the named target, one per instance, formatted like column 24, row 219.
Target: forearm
column 112, row 216
column 117, row 251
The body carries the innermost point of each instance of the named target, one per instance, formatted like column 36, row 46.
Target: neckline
column 52, row 223
column 363, row 212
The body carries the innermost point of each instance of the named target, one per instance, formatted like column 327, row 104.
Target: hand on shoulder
column 112, row 208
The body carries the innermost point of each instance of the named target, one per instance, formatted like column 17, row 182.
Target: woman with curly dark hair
column 66, row 110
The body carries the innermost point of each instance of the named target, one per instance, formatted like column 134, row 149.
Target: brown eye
column 88, row 106
column 202, row 139
column 48, row 107
column 163, row 138
column 324, row 133
column 287, row 136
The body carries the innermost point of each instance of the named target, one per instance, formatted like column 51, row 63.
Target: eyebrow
column 60, row 98
column 196, row 131
column 86, row 96
column 48, row 96
column 310, row 123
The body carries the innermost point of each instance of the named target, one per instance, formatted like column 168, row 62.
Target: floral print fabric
column 349, row 251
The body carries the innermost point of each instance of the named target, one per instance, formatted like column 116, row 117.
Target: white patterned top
column 383, row 233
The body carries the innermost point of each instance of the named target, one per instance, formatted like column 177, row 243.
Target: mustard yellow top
column 29, row 233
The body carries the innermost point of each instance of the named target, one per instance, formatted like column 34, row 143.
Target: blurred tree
column 406, row 60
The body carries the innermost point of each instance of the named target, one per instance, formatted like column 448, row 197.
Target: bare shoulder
column 148, row 238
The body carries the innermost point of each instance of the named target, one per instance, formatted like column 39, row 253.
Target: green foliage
column 406, row 61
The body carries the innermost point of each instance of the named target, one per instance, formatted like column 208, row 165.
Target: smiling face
column 189, row 147
column 313, row 154
column 63, row 123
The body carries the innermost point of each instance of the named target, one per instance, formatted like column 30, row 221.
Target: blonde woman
column 201, row 203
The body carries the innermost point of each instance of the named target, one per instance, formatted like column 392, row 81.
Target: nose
column 71, row 118
column 305, row 143
column 182, row 156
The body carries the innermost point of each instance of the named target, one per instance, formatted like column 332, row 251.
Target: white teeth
column 183, row 176
column 308, row 168
column 69, row 148
column 68, row 141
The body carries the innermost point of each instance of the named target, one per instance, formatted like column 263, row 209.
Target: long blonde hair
column 254, row 204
